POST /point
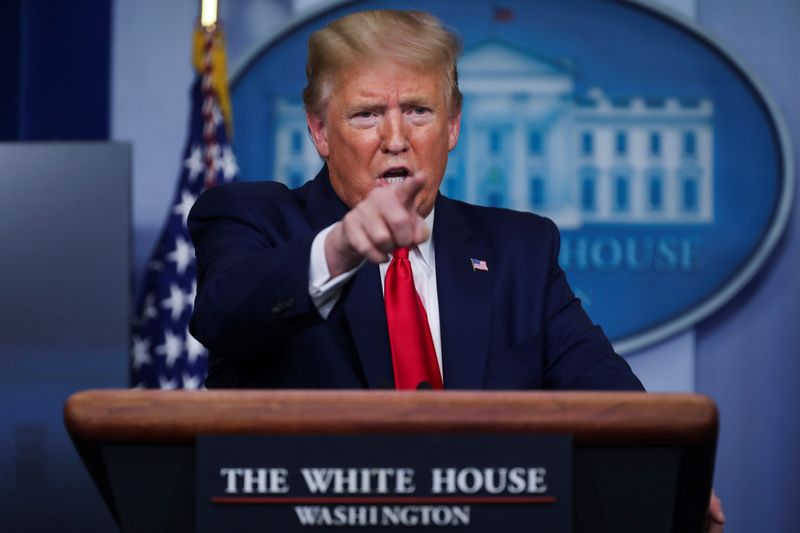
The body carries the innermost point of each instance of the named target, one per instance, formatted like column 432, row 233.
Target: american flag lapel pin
column 479, row 264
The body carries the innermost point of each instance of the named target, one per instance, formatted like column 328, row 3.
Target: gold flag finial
column 208, row 13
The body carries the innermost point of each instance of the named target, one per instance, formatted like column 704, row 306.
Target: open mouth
column 394, row 175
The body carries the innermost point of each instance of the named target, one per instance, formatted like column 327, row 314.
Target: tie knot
column 401, row 253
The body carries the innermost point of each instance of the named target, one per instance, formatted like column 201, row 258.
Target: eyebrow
column 367, row 103
column 418, row 100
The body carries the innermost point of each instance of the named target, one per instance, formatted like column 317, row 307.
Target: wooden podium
column 641, row 462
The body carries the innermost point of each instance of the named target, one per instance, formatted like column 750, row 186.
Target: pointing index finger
column 407, row 191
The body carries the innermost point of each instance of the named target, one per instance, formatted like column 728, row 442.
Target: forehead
column 386, row 80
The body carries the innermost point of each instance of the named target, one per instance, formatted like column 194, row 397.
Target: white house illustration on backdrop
column 529, row 142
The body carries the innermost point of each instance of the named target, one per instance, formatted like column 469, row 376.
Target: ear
column 454, row 128
column 319, row 135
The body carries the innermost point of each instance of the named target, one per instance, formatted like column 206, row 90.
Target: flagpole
column 208, row 20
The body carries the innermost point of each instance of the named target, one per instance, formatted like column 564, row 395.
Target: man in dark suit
column 290, row 281
column 516, row 325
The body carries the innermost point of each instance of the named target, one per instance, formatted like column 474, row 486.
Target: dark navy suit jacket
column 516, row 326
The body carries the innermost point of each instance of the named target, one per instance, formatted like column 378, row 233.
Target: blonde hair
column 412, row 37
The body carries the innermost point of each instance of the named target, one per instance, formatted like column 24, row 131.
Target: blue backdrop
column 747, row 356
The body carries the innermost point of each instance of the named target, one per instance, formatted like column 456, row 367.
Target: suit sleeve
column 579, row 356
column 252, row 271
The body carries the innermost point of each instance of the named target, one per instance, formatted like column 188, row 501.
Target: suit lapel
column 363, row 305
column 362, row 300
column 465, row 297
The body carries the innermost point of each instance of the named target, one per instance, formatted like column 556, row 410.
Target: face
column 385, row 122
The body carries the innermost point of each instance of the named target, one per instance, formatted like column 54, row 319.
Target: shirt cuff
column 323, row 290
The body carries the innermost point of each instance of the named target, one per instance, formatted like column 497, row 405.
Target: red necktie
column 413, row 355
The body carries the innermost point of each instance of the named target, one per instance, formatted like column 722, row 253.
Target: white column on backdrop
column 670, row 365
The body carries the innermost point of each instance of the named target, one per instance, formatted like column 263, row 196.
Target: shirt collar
column 426, row 248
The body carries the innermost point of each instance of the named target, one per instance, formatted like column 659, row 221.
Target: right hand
column 715, row 520
column 385, row 220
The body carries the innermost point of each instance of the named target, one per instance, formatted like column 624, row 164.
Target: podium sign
column 286, row 483
column 632, row 461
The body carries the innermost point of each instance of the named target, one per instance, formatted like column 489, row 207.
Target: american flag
column 479, row 264
column 163, row 353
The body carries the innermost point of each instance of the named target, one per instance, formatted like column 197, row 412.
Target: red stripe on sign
column 284, row 500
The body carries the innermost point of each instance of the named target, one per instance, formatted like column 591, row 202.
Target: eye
column 420, row 110
column 363, row 119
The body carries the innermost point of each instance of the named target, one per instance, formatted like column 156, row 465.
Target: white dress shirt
column 325, row 291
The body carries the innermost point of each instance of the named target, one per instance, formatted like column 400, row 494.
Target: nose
column 394, row 134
